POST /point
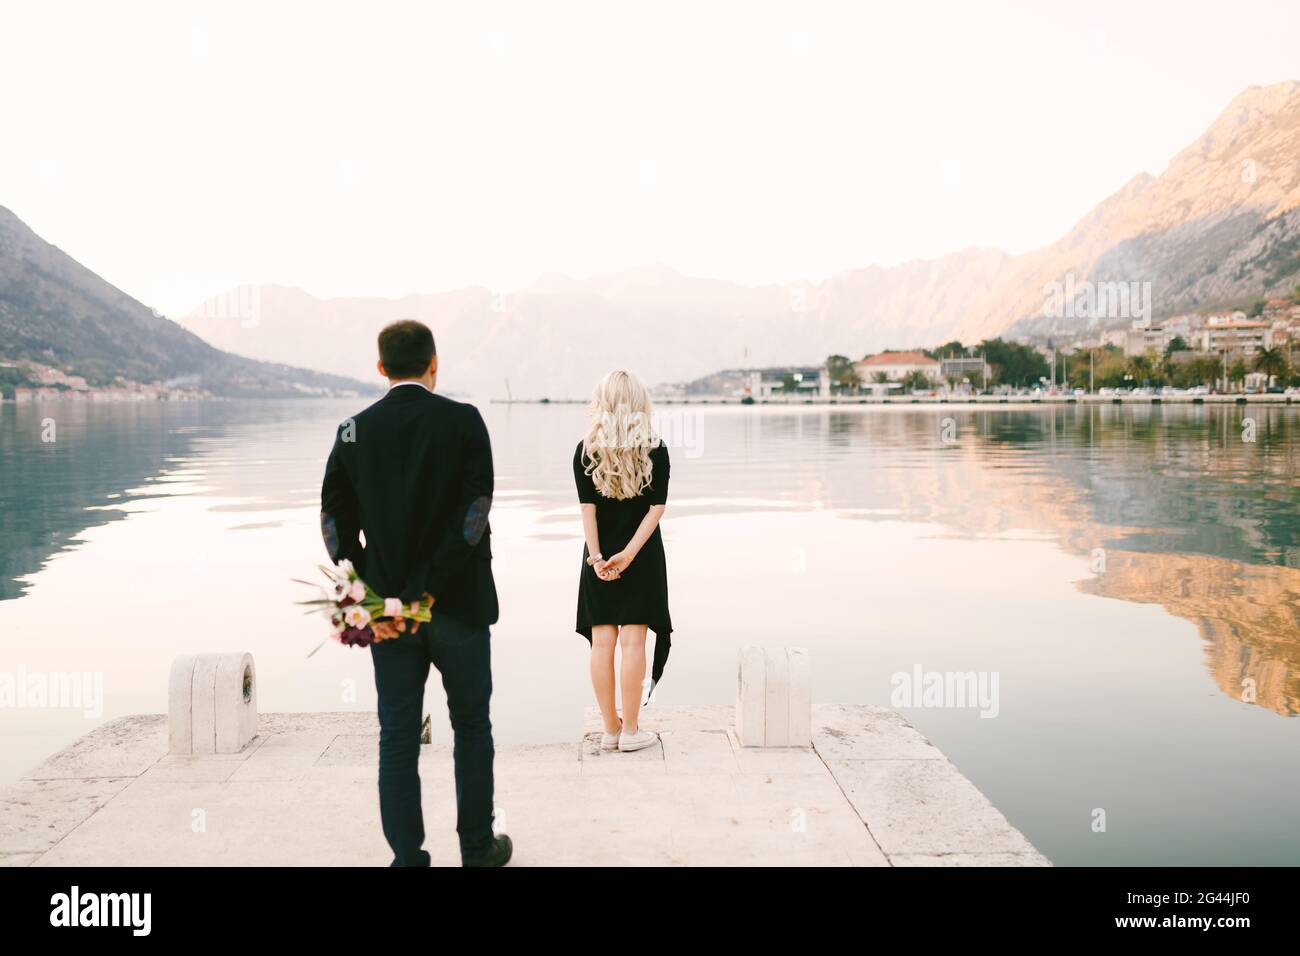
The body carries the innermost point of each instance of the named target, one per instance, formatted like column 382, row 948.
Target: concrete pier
column 870, row 791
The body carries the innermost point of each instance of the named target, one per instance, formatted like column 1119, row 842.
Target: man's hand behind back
column 389, row 629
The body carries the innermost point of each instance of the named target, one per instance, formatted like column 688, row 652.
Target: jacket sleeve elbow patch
column 330, row 533
column 476, row 519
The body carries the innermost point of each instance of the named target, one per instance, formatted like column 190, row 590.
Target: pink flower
column 358, row 591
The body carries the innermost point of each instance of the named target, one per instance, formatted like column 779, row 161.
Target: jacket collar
column 406, row 392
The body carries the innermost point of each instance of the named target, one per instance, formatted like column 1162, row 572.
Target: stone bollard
column 211, row 703
column 774, row 697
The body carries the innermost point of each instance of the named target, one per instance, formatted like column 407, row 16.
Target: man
column 413, row 473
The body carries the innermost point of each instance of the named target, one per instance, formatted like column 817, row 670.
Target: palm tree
column 1271, row 362
column 917, row 380
column 1237, row 372
column 1139, row 366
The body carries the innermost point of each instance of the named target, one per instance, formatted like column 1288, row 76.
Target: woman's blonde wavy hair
column 616, row 449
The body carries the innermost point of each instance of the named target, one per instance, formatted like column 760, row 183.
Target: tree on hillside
column 843, row 374
column 947, row 350
column 1110, row 368
column 1257, row 308
column 1103, row 366
column 1205, row 370
column 1202, row 370
column 1013, row 364
column 12, row 377
column 1077, row 366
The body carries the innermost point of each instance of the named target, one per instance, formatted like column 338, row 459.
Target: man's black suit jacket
column 413, row 474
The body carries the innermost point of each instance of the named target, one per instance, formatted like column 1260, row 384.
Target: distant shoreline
column 939, row 400
column 82, row 399
column 779, row 402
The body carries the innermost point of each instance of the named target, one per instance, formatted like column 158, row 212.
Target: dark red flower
column 357, row 637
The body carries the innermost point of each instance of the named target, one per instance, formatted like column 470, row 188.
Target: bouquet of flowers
column 352, row 606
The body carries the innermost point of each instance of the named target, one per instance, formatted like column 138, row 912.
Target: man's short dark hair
column 406, row 348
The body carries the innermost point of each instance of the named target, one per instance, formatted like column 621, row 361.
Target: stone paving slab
column 871, row 791
column 969, row 859
column 859, row 732
column 698, row 751
column 286, row 756
column 124, row 747
column 925, row 807
column 36, row 814
column 663, row 719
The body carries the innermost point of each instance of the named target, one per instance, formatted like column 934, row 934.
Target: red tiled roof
column 899, row 358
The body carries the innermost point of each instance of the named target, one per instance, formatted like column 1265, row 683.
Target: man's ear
column 380, row 365
column 433, row 366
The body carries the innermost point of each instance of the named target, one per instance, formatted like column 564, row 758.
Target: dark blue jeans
column 462, row 654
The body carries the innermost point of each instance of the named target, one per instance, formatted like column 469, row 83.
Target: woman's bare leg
column 603, row 639
column 632, row 639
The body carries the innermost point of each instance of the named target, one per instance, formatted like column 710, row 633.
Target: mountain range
column 1218, row 228
column 57, row 313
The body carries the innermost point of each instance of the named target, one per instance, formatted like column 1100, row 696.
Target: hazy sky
column 179, row 148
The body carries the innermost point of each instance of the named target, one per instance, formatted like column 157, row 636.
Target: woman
column 621, row 470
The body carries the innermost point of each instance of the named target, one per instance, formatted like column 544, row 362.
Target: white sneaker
column 637, row 741
column 610, row 741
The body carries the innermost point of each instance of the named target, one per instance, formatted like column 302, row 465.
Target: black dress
column 640, row 594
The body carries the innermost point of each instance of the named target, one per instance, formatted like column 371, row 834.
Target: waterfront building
column 1235, row 333
column 896, row 366
column 973, row 368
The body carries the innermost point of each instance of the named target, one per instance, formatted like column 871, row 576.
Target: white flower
column 345, row 568
column 356, row 616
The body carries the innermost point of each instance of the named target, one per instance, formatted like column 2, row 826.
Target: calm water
column 1162, row 691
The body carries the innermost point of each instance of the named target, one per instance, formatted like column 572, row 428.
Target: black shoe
column 497, row 855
